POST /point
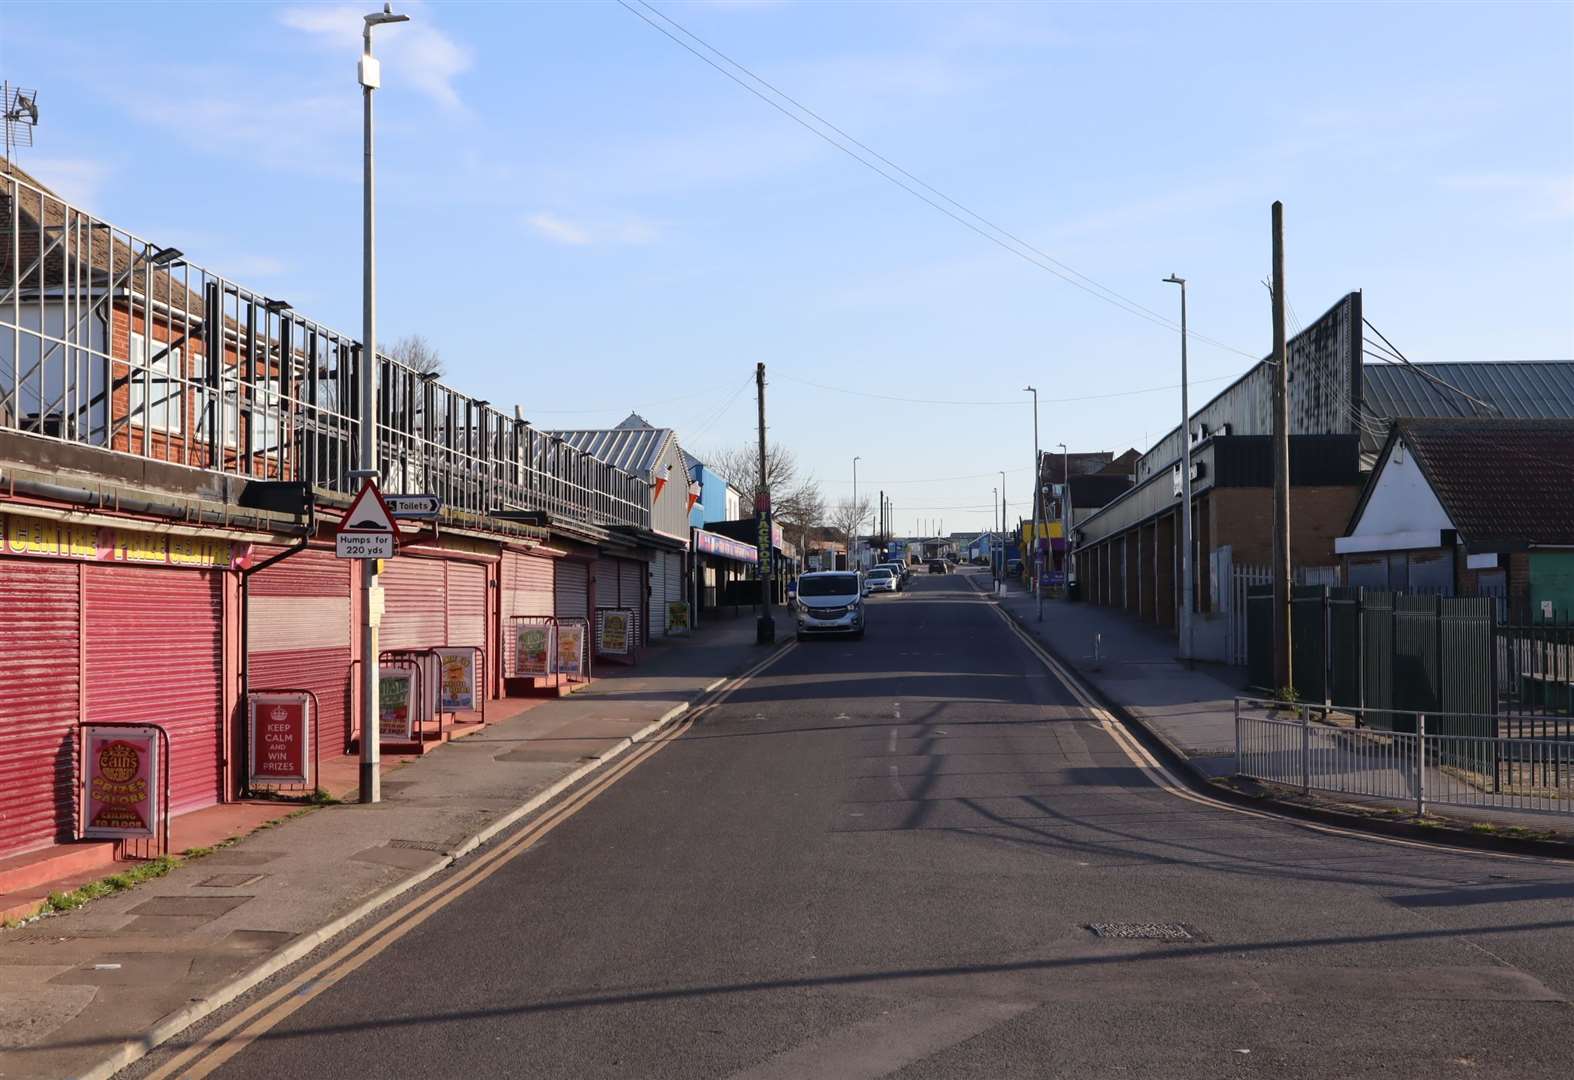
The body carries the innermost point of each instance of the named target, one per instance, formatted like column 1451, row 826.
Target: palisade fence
column 1387, row 656
column 1242, row 579
column 113, row 342
column 1426, row 764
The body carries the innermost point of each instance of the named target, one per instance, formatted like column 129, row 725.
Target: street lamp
column 853, row 515
column 1038, row 499
column 370, row 77
column 1002, row 530
column 1065, row 515
column 1186, row 576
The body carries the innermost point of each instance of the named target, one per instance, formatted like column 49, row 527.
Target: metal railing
column 1291, row 745
column 110, row 341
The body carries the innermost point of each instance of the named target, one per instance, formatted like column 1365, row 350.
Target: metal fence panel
column 1465, row 630
column 1344, row 647
column 1259, row 643
column 1308, row 642
column 1377, row 658
column 1416, row 658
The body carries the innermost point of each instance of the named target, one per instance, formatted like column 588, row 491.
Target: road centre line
column 235, row 1034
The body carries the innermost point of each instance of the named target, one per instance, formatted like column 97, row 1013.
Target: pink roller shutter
column 38, row 701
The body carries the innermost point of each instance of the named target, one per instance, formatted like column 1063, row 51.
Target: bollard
column 1420, row 764
column 1098, row 645
column 1306, row 751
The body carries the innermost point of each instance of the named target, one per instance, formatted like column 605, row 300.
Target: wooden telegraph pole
column 765, row 629
column 1283, row 676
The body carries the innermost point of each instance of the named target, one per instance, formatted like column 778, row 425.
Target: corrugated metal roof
column 631, row 446
column 1519, row 390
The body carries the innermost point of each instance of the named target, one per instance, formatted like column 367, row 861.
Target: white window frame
column 165, row 369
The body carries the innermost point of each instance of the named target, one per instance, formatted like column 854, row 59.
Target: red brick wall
column 1243, row 518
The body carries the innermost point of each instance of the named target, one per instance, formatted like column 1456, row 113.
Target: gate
column 1308, row 642
column 1259, row 643
column 1344, row 646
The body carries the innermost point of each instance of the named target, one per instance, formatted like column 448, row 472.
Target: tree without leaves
column 796, row 502
column 849, row 517
column 417, row 354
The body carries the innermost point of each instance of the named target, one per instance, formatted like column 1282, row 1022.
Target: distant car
column 1014, row 568
column 830, row 602
column 880, row 579
column 938, row 566
column 897, row 570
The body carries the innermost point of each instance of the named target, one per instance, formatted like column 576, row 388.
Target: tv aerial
column 21, row 116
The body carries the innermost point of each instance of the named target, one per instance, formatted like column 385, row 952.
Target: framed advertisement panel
column 280, row 739
column 569, row 656
column 121, row 782
column 456, row 680
column 396, row 703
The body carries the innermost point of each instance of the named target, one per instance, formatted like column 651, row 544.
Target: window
column 157, row 385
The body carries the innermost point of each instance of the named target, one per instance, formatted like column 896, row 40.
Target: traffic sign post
column 368, row 530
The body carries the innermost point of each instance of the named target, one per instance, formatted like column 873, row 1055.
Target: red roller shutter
column 415, row 610
column 298, row 634
column 466, row 603
column 39, row 621
column 155, row 654
column 528, row 588
column 571, row 590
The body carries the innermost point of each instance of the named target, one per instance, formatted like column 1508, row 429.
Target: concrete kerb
column 1269, row 802
column 199, row 1010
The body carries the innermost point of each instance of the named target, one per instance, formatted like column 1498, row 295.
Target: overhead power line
column 1006, row 404
column 898, row 176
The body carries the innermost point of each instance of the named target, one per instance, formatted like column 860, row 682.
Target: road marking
column 241, row 1030
column 1160, row 776
column 886, row 1043
column 890, row 744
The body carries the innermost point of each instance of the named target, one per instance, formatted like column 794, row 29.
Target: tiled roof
column 1524, row 390
column 1503, row 483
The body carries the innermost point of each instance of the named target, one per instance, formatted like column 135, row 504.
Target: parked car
column 938, row 566
column 897, row 570
column 830, row 602
column 880, row 579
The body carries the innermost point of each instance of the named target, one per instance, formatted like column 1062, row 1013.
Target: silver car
column 830, row 602
column 881, row 579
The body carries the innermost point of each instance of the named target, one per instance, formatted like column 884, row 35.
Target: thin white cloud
column 629, row 232
column 75, row 179
column 418, row 50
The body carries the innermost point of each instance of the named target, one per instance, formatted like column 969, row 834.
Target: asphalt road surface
column 883, row 858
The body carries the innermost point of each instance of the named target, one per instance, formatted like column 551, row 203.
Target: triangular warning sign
column 368, row 513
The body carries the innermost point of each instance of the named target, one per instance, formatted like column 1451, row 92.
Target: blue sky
column 582, row 216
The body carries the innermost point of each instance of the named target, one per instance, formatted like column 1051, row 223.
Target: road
column 882, row 858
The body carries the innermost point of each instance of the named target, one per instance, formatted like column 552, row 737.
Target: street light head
column 386, row 15
column 1174, row 280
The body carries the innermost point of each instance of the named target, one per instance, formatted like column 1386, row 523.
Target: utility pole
column 765, row 629
column 369, row 74
column 997, row 552
column 852, row 527
column 1283, row 675
column 1038, row 500
column 1065, row 516
column 1186, row 568
column 1002, row 530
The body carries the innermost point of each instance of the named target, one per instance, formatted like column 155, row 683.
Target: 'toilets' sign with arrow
column 414, row 506
column 368, row 530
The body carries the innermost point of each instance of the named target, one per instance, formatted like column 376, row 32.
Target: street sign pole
column 366, row 533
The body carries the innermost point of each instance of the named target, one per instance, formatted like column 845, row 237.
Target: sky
column 587, row 219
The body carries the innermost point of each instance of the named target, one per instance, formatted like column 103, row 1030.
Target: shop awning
column 724, row 547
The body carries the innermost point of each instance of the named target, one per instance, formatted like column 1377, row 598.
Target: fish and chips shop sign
column 121, row 782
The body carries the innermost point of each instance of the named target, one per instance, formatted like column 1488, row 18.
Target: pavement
column 1191, row 708
column 917, row 856
column 76, row 988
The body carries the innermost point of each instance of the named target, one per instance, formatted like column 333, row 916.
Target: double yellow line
column 1166, row 781
column 229, row 1038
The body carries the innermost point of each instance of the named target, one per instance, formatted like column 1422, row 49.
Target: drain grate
column 1145, row 931
column 419, row 845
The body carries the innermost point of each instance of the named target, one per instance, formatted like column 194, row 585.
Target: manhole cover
column 1145, row 931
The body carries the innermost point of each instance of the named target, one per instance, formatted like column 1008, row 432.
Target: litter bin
column 1074, row 591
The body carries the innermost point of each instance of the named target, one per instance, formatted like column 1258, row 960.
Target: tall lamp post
column 370, row 77
column 1186, row 575
column 1038, row 499
column 852, row 528
column 1002, row 530
column 997, row 548
column 1065, row 516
